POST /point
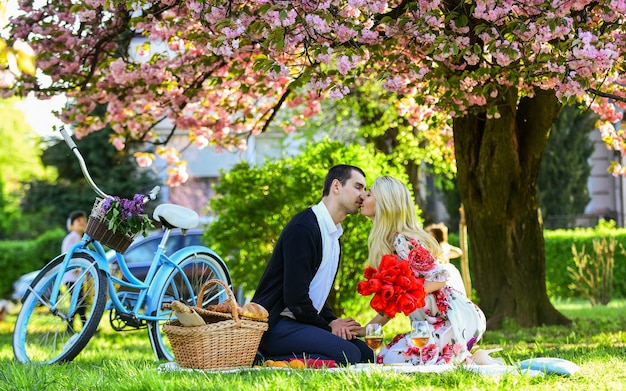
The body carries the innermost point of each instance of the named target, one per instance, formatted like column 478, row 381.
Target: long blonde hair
column 394, row 213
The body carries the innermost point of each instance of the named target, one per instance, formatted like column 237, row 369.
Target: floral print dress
column 457, row 322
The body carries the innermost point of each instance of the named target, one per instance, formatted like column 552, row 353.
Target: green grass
column 124, row 361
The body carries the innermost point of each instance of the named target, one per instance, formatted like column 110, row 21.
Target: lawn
column 596, row 342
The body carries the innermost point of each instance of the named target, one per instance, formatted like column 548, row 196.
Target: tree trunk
column 498, row 162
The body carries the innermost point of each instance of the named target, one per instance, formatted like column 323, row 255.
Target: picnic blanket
column 532, row 367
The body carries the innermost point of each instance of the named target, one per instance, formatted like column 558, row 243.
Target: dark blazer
column 286, row 280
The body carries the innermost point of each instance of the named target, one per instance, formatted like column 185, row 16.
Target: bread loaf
column 221, row 307
column 254, row 311
column 224, row 307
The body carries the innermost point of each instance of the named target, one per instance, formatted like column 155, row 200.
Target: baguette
column 186, row 315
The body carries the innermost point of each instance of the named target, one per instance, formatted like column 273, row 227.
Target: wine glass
column 374, row 336
column 420, row 335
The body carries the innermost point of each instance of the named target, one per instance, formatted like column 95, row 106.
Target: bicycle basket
column 98, row 229
column 223, row 344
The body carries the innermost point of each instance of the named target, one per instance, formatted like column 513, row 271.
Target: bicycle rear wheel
column 47, row 332
column 198, row 269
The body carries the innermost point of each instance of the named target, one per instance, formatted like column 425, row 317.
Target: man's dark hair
column 341, row 172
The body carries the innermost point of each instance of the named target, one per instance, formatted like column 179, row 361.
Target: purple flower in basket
column 126, row 216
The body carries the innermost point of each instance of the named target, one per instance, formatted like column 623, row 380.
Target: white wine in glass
column 374, row 336
column 419, row 342
column 420, row 335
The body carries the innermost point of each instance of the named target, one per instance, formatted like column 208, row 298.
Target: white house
column 607, row 192
column 204, row 166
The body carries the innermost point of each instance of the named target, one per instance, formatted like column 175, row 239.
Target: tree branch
column 277, row 106
column 606, row 95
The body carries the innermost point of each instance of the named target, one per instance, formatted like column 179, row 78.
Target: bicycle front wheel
column 47, row 332
column 198, row 269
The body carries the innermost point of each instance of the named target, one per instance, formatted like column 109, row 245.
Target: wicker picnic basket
column 227, row 341
column 98, row 229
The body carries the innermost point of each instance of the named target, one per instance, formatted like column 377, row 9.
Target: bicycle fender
column 186, row 251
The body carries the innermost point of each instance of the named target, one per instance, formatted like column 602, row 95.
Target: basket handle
column 231, row 297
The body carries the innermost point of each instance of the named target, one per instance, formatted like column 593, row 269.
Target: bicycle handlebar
column 152, row 195
column 68, row 140
column 83, row 167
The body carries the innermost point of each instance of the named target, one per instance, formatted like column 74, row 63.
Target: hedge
column 559, row 256
column 21, row 257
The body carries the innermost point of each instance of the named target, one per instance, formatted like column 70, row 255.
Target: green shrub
column 593, row 274
column 20, row 257
column 559, row 256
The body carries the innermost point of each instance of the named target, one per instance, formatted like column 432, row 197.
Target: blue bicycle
column 47, row 331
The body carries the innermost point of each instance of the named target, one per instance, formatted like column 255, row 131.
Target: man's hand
column 345, row 328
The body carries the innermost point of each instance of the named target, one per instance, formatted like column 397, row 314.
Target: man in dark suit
column 298, row 278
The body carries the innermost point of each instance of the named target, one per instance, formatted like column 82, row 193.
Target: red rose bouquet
column 394, row 285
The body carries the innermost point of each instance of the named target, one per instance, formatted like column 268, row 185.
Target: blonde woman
column 457, row 323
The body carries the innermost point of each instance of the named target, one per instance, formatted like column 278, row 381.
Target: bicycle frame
column 160, row 268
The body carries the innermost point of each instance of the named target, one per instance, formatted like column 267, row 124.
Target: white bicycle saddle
column 176, row 216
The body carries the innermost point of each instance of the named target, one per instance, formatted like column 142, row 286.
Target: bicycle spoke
column 48, row 332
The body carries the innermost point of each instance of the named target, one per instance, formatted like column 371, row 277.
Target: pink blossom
column 369, row 36
column 144, row 159
column 242, row 145
column 297, row 120
column 344, row 33
column 6, row 80
column 177, row 175
column 393, row 84
column 317, row 23
column 344, row 65
column 169, row 154
column 313, row 107
column 339, row 92
column 617, row 169
column 119, row 143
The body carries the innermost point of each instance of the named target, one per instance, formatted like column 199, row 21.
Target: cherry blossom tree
column 220, row 70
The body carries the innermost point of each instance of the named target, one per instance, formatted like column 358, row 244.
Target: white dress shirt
column 323, row 280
